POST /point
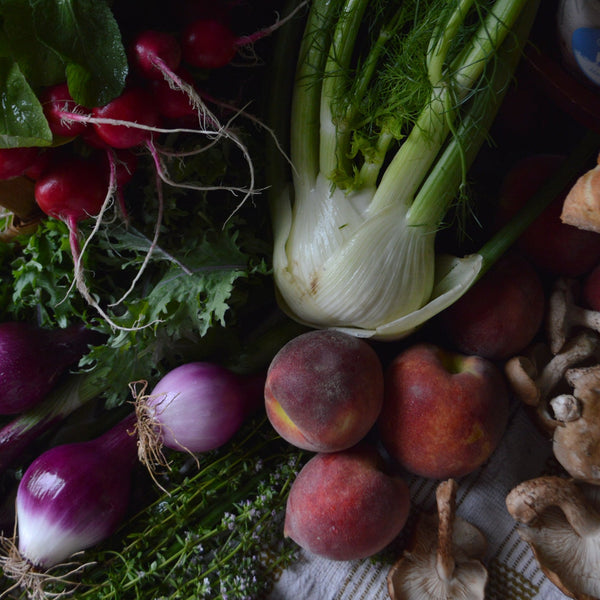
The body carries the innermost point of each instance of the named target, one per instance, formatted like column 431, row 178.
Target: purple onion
column 75, row 495
column 199, row 406
column 32, row 359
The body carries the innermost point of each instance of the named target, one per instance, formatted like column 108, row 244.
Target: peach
column 444, row 413
column 324, row 390
column 345, row 505
column 501, row 314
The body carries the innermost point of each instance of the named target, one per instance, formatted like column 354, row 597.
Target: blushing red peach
column 444, row 413
column 324, row 390
column 345, row 505
column 501, row 314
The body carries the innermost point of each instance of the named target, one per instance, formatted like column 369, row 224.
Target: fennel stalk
column 391, row 103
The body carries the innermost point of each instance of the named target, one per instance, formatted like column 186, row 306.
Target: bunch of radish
column 75, row 182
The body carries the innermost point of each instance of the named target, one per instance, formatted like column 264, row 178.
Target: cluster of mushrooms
column 558, row 516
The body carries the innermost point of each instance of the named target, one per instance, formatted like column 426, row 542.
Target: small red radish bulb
column 118, row 122
column 154, row 52
column 73, row 189
column 208, row 44
column 62, row 112
column 15, row 161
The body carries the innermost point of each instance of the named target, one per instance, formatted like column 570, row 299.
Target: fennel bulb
column 390, row 105
column 345, row 252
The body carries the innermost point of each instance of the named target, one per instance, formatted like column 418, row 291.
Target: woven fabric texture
column 524, row 453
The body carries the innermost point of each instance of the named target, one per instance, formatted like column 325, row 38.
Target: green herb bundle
column 216, row 534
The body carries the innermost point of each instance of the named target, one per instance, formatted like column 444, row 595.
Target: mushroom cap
column 417, row 575
column 561, row 524
column 581, row 205
column 576, row 444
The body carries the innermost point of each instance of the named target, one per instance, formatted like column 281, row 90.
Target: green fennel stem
column 436, row 56
column 304, row 132
column 439, row 189
column 418, row 152
column 335, row 125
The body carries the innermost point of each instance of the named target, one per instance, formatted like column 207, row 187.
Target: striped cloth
column 524, row 453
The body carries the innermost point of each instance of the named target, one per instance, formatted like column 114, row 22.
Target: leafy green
column 22, row 120
column 203, row 292
column 206, row 286
column 86, row 36
column 45, row 42
column 39, row 279
column 40, row 65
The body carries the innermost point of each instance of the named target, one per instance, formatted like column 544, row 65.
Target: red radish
column 208, row 44
column 59, row 106
column 72, row 190
column 133, row 106
column 174, row 102
column 121, row 166
column 93, row 140
column 125, row 162
column 157, row 56
column 40, row 163
column 15, row 161
column 153, row 52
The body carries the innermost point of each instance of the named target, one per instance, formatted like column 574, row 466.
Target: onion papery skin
column 75, row 495
column 198, row 407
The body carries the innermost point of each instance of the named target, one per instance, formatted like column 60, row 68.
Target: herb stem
column 200, row 511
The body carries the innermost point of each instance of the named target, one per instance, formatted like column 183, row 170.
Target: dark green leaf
column 39, row 64
column 22, row 120
column 85, row 34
